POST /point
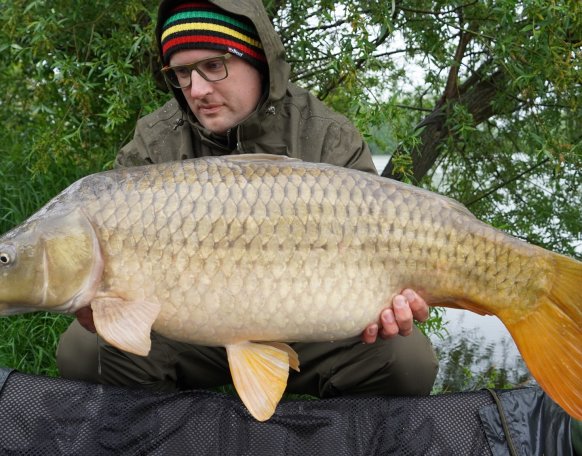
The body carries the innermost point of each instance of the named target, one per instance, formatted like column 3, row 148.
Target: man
column 224, row 63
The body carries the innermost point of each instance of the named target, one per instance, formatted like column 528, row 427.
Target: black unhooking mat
column 50, row 416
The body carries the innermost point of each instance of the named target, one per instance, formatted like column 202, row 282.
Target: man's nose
column 199, row 87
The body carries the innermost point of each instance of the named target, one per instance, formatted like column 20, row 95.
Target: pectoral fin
column 125, row 324
column 259, row 372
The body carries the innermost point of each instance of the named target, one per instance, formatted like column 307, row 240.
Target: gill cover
column 49, row 263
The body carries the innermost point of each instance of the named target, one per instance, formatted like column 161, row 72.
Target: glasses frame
column 194, row 67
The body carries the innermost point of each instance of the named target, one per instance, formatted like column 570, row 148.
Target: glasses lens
column 179, row 77
column 212, row 69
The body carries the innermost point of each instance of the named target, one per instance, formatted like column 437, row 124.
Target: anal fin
column 293, row 357
column 259, row 373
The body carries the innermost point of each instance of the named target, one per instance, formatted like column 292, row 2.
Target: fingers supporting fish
column 370, row 334
column 398, row 319
column 418, row 306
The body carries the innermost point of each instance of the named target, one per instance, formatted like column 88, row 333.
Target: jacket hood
column 278, row 68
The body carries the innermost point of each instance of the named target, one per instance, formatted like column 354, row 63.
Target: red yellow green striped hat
column 202, row 25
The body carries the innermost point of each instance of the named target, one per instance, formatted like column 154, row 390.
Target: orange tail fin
column 550, row 339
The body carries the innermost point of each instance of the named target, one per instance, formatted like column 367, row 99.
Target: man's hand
column 398, row 320
column 85, row 318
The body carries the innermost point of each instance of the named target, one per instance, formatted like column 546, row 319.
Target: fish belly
column 294, row 251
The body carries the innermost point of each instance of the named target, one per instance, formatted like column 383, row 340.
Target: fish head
column 21, row 274
column 49, row 263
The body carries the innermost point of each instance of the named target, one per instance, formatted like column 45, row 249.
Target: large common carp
column 248, row 252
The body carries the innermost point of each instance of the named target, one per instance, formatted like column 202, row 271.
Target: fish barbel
column 251, row 251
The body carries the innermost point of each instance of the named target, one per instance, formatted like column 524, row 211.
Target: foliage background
column 479, row 100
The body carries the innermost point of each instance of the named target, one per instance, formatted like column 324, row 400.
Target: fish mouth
column 7, row 310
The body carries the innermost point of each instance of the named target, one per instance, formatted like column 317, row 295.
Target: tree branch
column 438, row 13
column 452, row 85
column 506, row 182
column 478, row 102
column 359, row 64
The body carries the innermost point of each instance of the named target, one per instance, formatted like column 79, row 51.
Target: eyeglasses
column 212, row 69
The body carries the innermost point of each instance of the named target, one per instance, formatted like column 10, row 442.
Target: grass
column 29, row 342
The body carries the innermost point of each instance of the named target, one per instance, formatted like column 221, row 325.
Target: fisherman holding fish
column 236, row 267
column 225, row 65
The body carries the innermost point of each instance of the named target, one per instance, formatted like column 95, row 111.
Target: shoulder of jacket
column 169, row 115
column 157, row 138
column 312, row 107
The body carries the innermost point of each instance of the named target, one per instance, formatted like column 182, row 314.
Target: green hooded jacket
column 287, row 121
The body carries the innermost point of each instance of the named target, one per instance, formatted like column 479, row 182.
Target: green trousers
column 399, row 366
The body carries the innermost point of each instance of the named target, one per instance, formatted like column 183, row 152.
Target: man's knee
column 77, row 354
column 415, row 367
column 169, row 366
column 398, row 366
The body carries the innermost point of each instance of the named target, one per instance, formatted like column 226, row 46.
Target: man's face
column 221, row 105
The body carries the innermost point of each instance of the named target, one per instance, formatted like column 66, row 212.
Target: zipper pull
column 178, row 123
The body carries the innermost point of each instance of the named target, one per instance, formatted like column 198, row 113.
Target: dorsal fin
column 258, row 157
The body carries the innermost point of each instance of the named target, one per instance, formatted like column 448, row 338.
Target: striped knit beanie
column 202, row 25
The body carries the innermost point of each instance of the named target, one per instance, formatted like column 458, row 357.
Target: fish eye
column 6, row 257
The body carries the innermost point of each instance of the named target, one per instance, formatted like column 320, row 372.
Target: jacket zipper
column 236, row 140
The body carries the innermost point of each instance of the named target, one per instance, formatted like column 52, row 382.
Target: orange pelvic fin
column 259, row 373
column 550, row 339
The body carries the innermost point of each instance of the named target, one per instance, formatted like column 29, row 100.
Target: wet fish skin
column 227, row 251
